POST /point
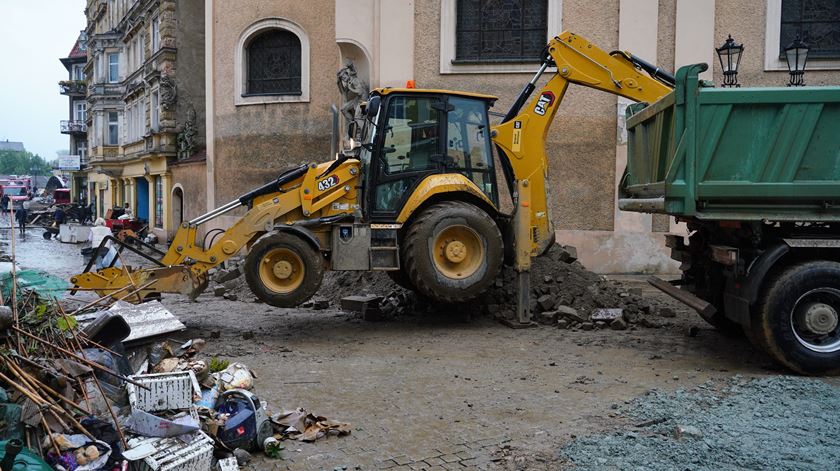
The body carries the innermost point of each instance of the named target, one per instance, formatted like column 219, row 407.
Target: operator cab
column 410, row 134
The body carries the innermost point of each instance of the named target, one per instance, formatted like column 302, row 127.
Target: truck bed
column 735, row 154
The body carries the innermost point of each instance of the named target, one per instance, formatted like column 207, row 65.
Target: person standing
column 4, row 202
column 20, row 216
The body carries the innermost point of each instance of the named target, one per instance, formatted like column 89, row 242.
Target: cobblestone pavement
column 442, row 392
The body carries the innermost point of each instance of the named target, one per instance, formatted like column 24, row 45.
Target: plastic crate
column 167, row 391
column 174, row 454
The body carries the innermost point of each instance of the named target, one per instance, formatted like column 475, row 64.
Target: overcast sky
column 34, row 34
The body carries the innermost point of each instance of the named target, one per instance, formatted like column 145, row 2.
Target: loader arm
column 301, row 196
column 522, row 135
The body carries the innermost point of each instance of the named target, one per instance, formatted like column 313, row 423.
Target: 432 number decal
column 327, row 183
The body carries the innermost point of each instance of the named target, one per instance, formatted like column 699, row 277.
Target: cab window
column 411, row 149
column 468, row 143
column 411, row 135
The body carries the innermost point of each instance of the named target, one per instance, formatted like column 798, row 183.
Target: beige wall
column 191, row 177
column 581, row 143
column 252, row 144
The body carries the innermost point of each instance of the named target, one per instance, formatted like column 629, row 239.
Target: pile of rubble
column 79, row 391
column 565, row 294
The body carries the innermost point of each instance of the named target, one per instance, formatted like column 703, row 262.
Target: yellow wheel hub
column 458, row 252
column 281, row 270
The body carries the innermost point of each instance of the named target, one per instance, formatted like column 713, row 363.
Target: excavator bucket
column 139, row 285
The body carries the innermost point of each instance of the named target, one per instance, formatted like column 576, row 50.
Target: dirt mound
column 563, row 293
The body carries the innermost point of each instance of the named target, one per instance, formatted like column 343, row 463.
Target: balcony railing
column 73, row 127
column 73, row 87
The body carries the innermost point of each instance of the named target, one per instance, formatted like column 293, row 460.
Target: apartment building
column 145, row 108
column 75, row 88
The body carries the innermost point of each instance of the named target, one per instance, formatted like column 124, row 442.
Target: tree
column 23, row 163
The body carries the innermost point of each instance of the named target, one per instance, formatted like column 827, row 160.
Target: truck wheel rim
column 458, row 252
column 815, row 320
column 281, row 270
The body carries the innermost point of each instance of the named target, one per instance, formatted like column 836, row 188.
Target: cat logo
column 546, row 100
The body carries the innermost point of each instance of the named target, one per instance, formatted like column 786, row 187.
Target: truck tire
column 453, row 252
column 797, row 321
column 283, row 270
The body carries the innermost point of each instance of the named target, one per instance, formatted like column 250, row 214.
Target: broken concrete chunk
column 568, row 254
column 570, row 313
column 687, row 431
column 358, row 303
column 587, row 326
column 219, row 291
column 618, row 324
column 546, row 302
column 667, row 312
column 320, row 304
column 606, row 315
column 548, row 317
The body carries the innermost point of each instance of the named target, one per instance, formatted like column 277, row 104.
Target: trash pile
column 88, row 390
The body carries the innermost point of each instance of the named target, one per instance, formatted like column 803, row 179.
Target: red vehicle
column 18, row 194
column 61, row 196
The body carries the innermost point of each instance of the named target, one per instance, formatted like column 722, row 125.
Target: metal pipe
column 525, row 94
column 334, row 137
column 704, row 308
column 215, row 213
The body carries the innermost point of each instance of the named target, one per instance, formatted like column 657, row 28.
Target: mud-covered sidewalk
column 443, row 390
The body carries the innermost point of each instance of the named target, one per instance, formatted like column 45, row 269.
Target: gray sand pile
column 780, row 423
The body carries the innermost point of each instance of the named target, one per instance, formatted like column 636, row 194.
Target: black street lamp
column 730, row 58
column 796, row 54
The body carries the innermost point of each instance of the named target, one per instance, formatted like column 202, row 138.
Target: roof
column 481, row 96
column 11, row 145
column 78, row 50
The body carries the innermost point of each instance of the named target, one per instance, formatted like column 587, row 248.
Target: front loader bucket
column 141, row 284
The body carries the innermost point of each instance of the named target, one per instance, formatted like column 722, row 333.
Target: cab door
column 410, row 147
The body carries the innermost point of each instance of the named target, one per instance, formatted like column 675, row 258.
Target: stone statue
column 353, row 90
column 168, row 92
column 187, row 136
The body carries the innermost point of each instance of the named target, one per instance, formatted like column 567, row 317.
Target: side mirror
column 372, row 107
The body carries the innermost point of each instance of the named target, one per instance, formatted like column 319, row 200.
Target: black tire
column 419, row 254
column 724, row 325
column 780, row 323
column 401, row 279
column 296, row 256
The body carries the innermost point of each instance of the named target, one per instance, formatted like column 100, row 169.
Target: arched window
column 274, row 66
column 272, row 63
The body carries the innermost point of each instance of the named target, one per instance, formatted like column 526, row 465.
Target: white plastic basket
column 173, row 454
column 167, row 391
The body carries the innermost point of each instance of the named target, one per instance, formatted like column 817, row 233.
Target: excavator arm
column 522, row 134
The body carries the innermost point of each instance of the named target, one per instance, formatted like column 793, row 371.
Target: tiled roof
column 77, row 50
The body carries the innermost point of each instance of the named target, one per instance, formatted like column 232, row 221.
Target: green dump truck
column 755, row 175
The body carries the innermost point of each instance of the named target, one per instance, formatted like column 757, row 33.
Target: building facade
column 145, row 113
column 75, row 88
column 265, row 116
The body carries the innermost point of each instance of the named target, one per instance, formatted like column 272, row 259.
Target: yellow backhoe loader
column 417, row 198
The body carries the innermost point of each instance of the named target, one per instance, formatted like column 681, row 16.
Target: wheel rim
column 815, row 320
column 458, row 252
column 281, row 270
